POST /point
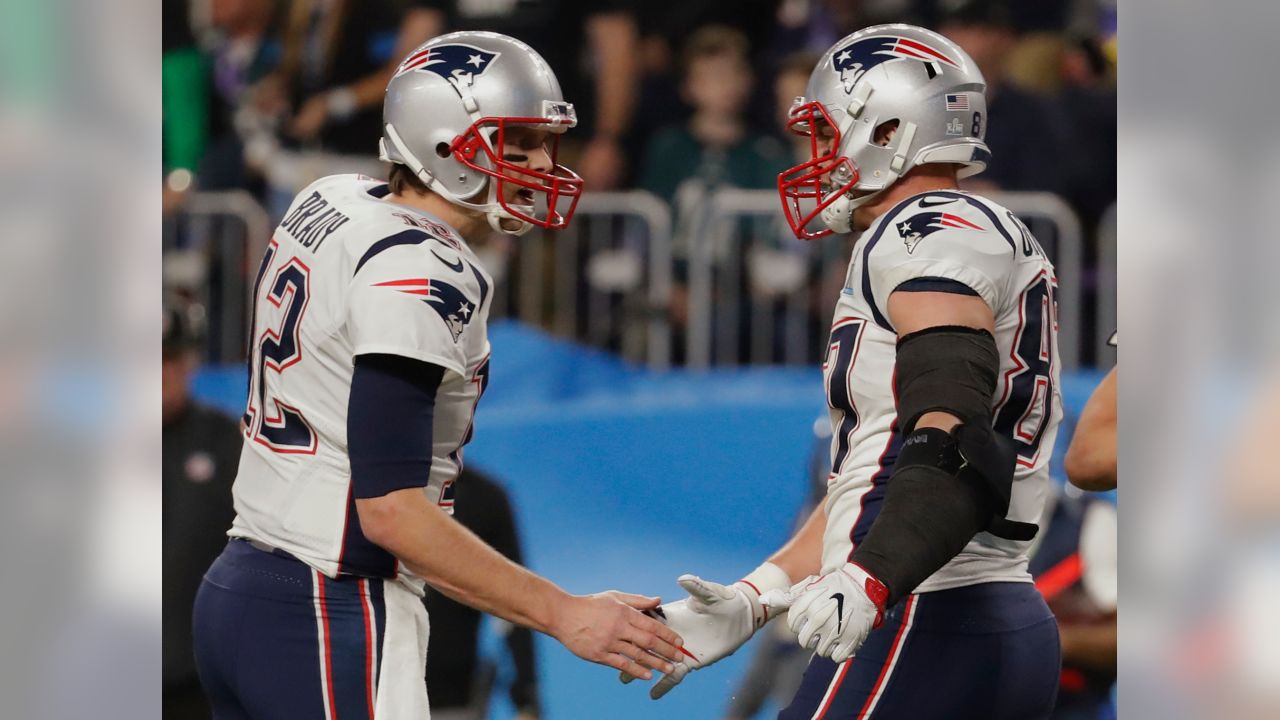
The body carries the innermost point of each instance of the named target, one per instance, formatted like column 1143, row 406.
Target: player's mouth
column 524, row 196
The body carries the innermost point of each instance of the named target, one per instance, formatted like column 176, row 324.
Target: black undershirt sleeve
column 389, row 423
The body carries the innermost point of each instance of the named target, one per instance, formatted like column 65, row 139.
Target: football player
column 368, row 357
column 910, row 581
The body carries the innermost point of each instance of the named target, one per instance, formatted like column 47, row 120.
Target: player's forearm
column 613, row 38
column 456, row 562
column 417, row 27
column 802, row 555
column 1091, row 459
column 1092, row 464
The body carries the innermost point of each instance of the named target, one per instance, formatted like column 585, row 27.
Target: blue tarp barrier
column 625, row 478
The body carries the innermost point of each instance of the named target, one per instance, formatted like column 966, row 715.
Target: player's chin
column 512, row 224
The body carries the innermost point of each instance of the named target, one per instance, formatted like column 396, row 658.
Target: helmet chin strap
column 493, row 211
column 838, row 216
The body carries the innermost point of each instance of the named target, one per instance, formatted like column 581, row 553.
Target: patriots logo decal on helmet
column 922, row 225
column 854, row 60
column 458, row 63
column 448, row 301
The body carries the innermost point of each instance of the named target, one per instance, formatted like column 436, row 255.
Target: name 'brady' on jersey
column 347, row 273
column 933, row 241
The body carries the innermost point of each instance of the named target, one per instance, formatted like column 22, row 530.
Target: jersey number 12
column 268, row 420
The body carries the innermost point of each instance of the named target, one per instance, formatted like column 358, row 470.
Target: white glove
column 715, row 620
column 832, row 614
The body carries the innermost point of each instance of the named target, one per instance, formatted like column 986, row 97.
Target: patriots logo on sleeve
column 447, row 300
column 922, row 225
column 458, row 63
column 854, row 60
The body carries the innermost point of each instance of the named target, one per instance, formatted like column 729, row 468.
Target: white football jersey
column 928, row 240
column 348, row 272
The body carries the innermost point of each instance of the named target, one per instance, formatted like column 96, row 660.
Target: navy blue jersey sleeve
column 389, row 420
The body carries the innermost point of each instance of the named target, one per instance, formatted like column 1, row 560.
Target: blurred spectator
column 184, row 102
column 1088, row 99
column 324, row 100
column 337, row 58
column 1028, row 138
column 1073, row 562
column 244, row 49
column 715, row 147
column 201, row 454
column 459, row 683
column 665, row 27
column 1047, row 16
column 815, row 25
column 592, row 48
column 790, row 82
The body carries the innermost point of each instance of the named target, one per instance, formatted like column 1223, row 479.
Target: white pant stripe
column 372, row 623
column 899, row 643
column 836, row 678
column 317, row 590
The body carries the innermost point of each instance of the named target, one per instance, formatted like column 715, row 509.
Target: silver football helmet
column 445, row 116
column 899, row 76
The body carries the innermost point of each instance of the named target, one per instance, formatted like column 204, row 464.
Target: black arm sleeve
column 945, row 487
column 389, row 419
column 928, row 516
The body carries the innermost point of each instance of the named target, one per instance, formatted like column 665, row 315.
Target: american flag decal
column 957, row 102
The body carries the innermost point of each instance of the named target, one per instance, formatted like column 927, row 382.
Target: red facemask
column 560, row 188
column 803, row 183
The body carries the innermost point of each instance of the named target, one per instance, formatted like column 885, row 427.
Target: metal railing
column 713, row 334
column 605, row 280
column 751, row 284
column 228, row 231
column 747, row 290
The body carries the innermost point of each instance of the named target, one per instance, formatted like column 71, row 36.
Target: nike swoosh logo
column 839, row 598
column 924, row 202
column 455, row 266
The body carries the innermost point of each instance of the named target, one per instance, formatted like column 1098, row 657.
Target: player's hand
column 602, row 164
column 608, row 628
column 832, row 614
column 715, row 620
column 311, row 118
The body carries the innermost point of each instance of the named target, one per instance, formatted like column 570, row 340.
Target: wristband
column 761, row 580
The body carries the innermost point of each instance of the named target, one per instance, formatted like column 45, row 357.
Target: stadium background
column 624, row 474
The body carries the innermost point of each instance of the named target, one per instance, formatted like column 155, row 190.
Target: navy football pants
column 983, row 652
column 277, row 640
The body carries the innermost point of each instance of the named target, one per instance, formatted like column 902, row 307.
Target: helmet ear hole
column 442, row 149
column 885, row 132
